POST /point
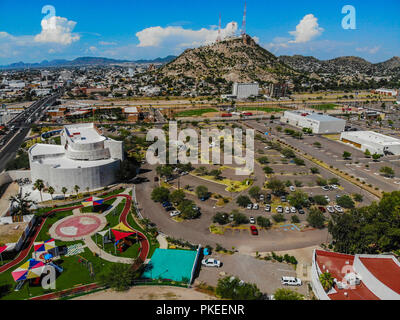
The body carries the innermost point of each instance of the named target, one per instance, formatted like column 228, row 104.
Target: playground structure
column 120, row 235
column 87, row 264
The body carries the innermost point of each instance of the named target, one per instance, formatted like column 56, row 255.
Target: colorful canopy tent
column 121, row 231
column 92, row 201
column 44, row 245
column 29, row 270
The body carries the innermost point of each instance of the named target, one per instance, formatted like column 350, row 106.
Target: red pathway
column 123, row 218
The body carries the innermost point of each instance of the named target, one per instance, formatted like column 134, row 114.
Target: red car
column 254, row 231
column 322, row 209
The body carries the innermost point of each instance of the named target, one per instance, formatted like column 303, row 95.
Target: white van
column 291, row 281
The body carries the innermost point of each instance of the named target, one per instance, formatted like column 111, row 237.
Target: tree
column 235, row 289
column 321, row 182
column 345, row 201
column 221, row 218
column 243, row 201
column 127, row 170
column 376, row 157
column 201, row 192
column 239, row 218
column 254, row 192
column 160, row 194
column 316, row 218
column 388, row 172
column 317, row 144
column 346, row 155
column 326, row 281
column 164, row 171
column 358, row 197
column 263, row 160
column 320, row 200
column 314, row 170
column 21, row 204
column 279, row 217
column 263, row 222
column 118, row 277
column 188, row 209
column 288, row 153
column 367, row 153
column 177, row 196
column 76, row 189
column 268, row 170
column 277, row 187
column 287, row 294
column 298, row 199
column 64, row 191
column 51, row 191
column 39, row 185
column 299, row 162
column 294, row 219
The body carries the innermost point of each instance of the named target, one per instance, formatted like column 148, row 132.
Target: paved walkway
column 162, row 241
column 92, row 246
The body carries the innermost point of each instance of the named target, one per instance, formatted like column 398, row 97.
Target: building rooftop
column 131, row 110
column 314, row 116
column 85, row 133
column 372, row 136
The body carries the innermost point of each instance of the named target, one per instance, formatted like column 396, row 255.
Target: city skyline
column 134, row 31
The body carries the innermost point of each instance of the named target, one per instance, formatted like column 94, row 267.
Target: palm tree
column 39, row 185
column 76, row 188
column 51, row 191
column 326, row 280
column 21, row 204
column 64, row 191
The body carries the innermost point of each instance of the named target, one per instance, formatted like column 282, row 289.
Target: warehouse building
column 245, row 90
column 85, row 158
column 318, row 123
column 372, row 141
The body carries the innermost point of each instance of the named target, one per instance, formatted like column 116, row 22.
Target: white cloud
column 91, row 49
column 157, row 36
column 57, row 30
column 373, row 50
column 105, row 43
column 306, row 30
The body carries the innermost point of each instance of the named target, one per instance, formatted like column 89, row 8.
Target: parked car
column 256, row 206
column 293, row 210
column 322, row 209
column 327, row 198
column 262, row 197
column 325, row 188
column 335, row 187
column 175, row 213
column 287, row 210
column 301, row 211
column 252, row 220
column 292, row 188
column 250, row 206
column 338, row 208
column 279, row 209
column 291, row 281
column 253, row 230
column 166, row 204
column 267, row 208
column 268, row 197
column 169, row 208
column 330, row 209
column 231, row 217
column 283, row 199
column 210, row 262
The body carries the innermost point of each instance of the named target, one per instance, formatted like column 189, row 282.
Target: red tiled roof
column 385, row 270
column 335, row 263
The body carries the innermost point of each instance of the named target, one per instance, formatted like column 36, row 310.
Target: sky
column 36, row 30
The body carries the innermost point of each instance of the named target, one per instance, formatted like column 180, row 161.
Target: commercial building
column 85, row 158
column 372, row 141
column 386, row 92
column 278, row 90
column 245, row 90
column 132, row 114
column 318, row 123
column 356, row 277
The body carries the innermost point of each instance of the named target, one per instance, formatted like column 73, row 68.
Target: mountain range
column 82, row 61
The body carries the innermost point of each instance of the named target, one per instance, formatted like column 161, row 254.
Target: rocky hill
column 231, row 60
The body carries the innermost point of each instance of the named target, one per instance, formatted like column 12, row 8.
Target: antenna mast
column 244, row 20
column 219, row 29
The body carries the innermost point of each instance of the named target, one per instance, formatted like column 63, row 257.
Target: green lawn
column 194, row 113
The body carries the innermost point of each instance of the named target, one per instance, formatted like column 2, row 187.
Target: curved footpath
column 144, row 248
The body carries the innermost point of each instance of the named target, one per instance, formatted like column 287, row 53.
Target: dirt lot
column 149, row 293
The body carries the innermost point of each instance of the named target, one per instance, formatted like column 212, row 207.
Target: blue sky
column 132, row 29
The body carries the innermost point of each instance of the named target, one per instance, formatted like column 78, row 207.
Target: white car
column 252, row 220
column 287, row 210
column 327, row 199
column 175, row 213
column 250, row 206
column 279, row 209
column 255, row 206
column 338, row 208
column 211, row 263
column 291, row 281
column 334, row 186
column 293, row 210
column 330, row 209
column 292, row 188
